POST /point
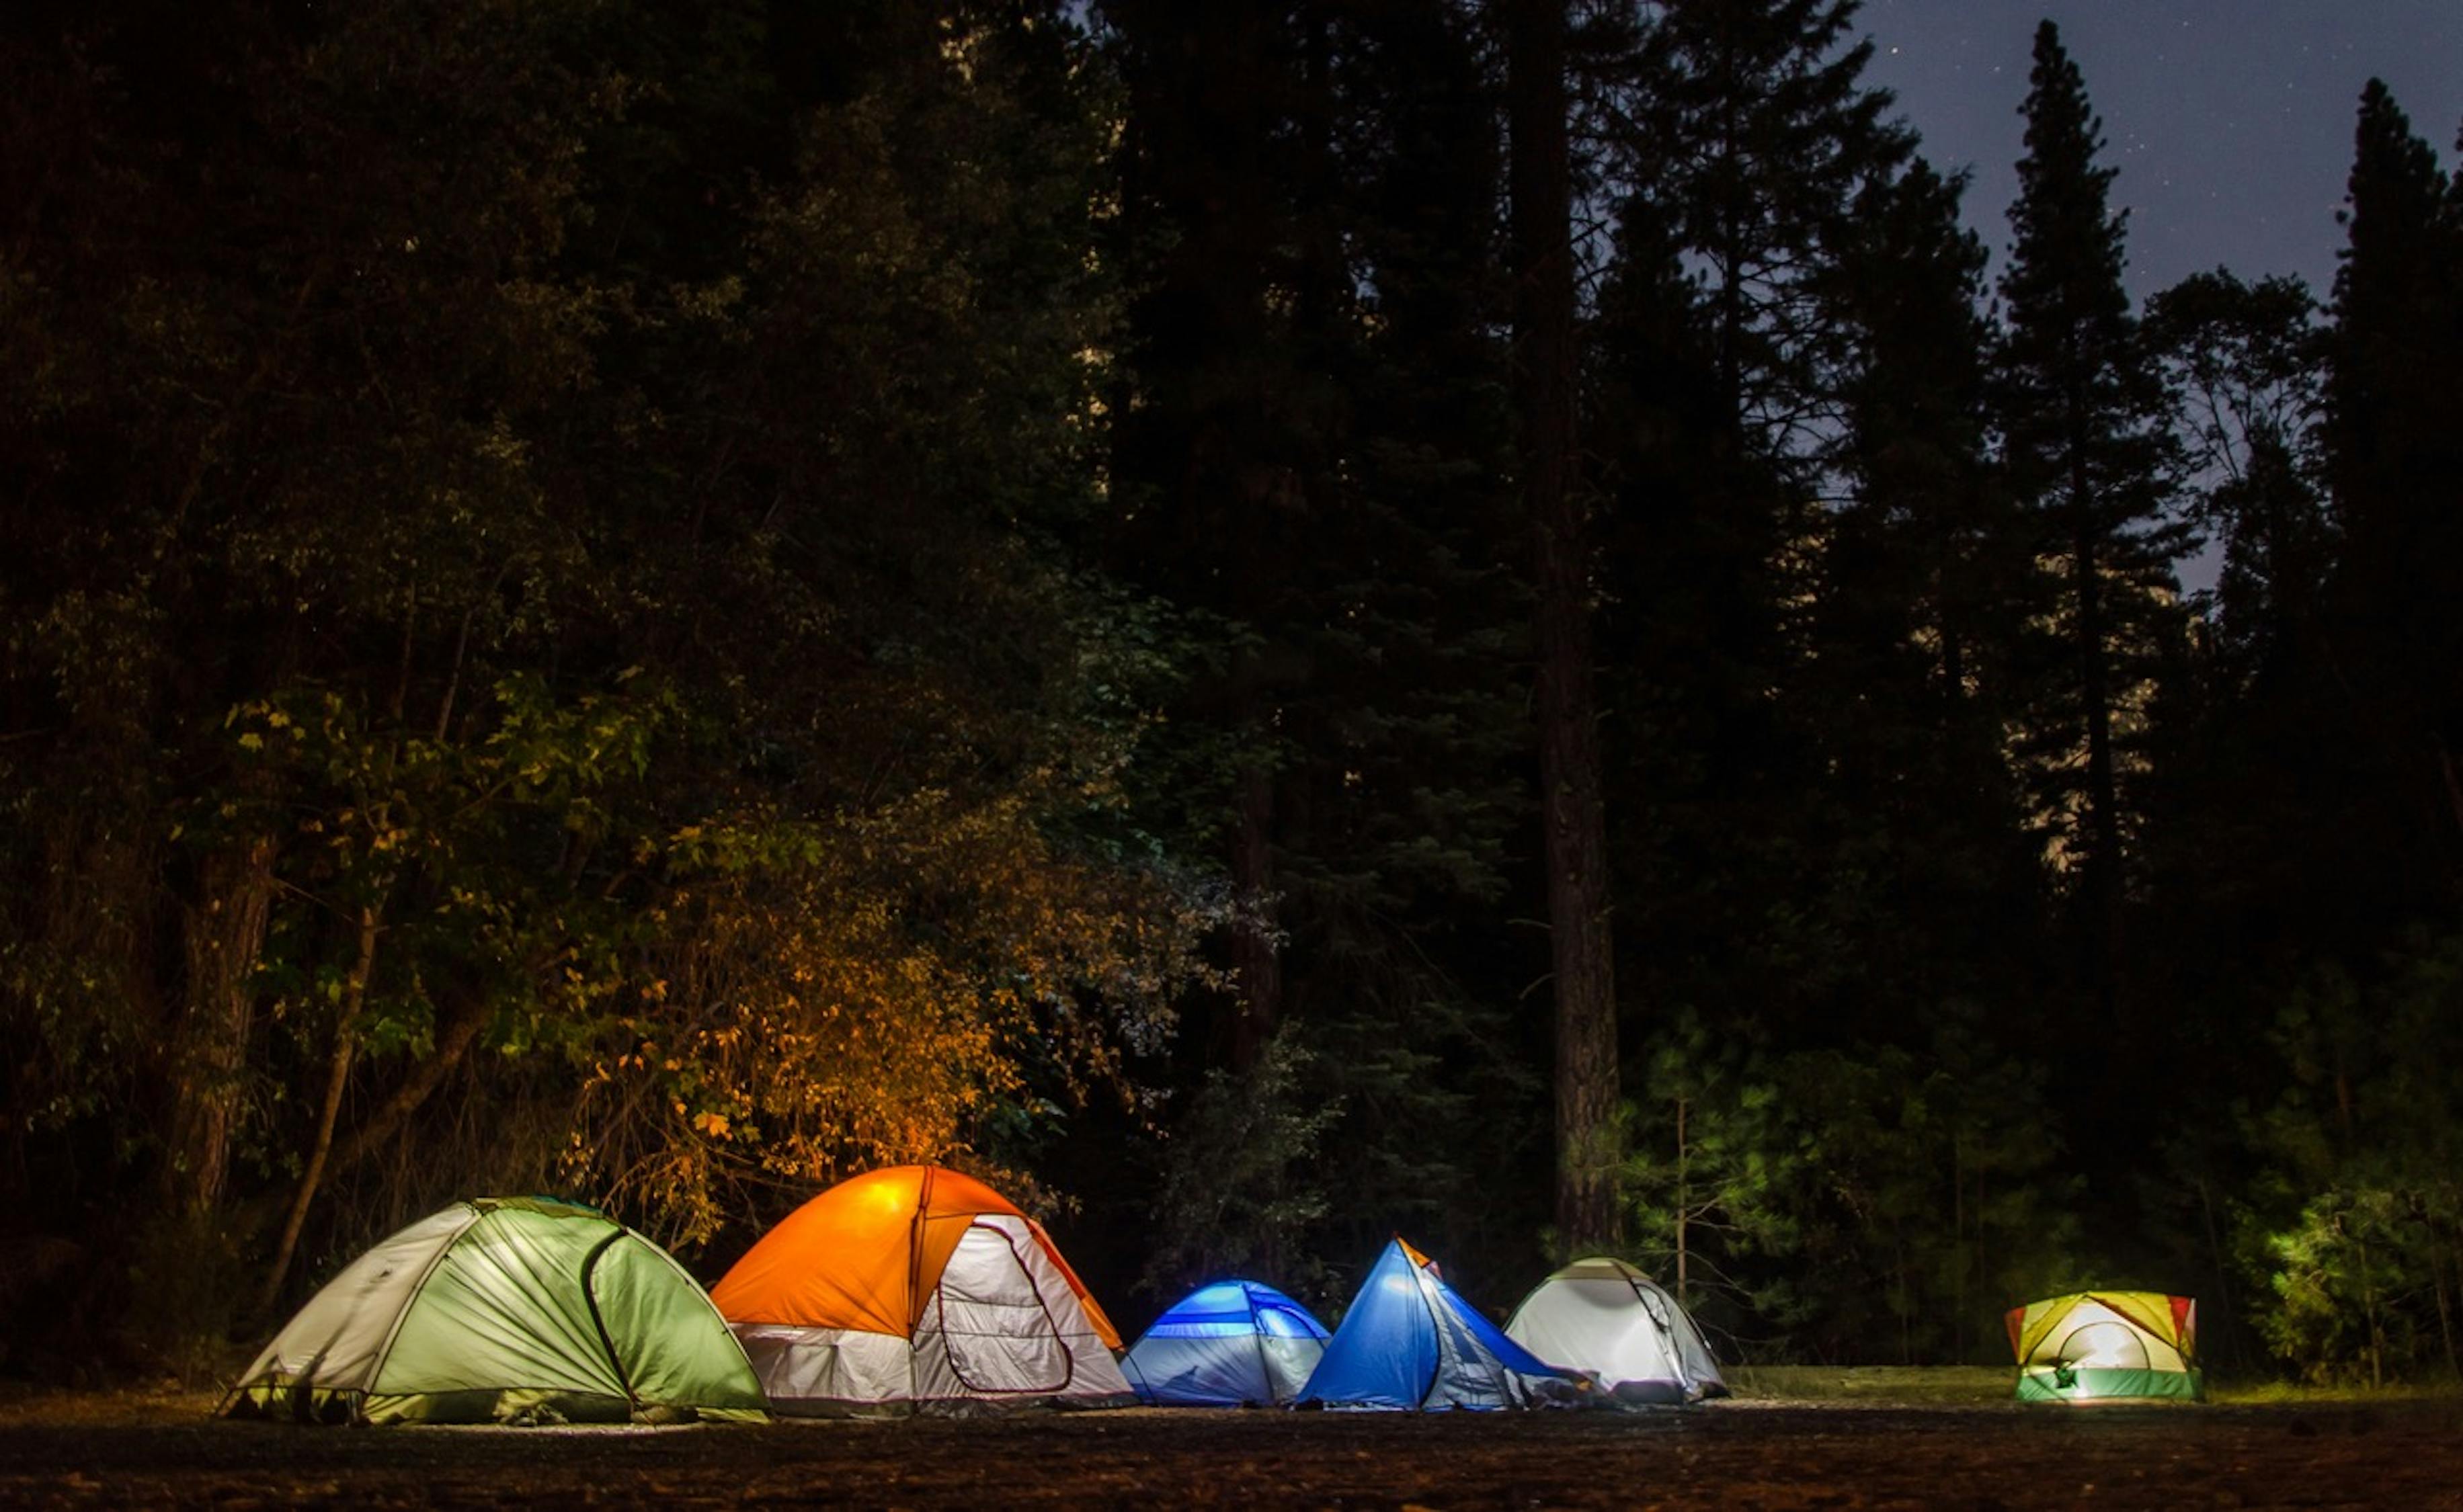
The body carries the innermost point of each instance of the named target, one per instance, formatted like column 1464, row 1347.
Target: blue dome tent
column 1409, row 1344
column 1230, row 1343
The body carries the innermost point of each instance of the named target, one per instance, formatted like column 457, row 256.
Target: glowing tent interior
column 2108, row 1345
column 915, row 1287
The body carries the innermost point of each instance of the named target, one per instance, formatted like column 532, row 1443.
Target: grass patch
column 1873, row 1385
column 2288, row 1393
column 1980, row 1385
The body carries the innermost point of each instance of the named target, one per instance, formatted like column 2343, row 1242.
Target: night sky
column 2231, row 120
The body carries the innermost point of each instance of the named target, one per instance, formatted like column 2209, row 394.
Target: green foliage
column 573, row 536
column 1241, row 1186
column 2354, row 1231
column 676, row 597
column 1853, row 1206
column 1714, row 1158
column 1310, row 426
column 1747, row 129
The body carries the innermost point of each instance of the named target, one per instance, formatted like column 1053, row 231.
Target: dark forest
column 1268, row 623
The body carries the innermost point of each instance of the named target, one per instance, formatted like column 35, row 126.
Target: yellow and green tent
column 2108, row 1345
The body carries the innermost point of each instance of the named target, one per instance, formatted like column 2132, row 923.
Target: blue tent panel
column 1232, row 1344
column 1410, row 1344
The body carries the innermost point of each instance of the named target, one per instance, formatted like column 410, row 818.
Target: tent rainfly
column 505, row 1309
column 916, row 1289
column 1610, row 1321
column 1230, row 1343
column 1410, row 1344
column 2108, row 1345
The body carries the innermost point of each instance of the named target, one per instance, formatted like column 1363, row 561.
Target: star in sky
column 2229, row 121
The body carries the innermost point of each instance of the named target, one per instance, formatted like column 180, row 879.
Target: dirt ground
column 1723, row 1455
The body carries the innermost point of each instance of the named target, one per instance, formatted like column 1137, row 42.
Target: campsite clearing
column 70, row 1452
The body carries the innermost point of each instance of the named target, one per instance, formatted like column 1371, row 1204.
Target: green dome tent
column 505, row 1309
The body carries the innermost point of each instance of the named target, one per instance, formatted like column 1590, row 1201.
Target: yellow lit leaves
column 855, row 994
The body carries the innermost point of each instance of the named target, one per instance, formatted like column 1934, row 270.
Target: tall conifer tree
column 2083, row 412
column 2394, row 405
column 1311, row 427
column 1749, row 129
column 1926, row 584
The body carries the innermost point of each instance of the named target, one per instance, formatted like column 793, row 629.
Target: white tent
column 1606, row 1319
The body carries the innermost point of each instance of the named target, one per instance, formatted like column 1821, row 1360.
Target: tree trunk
column 2445, row 1307
column 1576, row 844
column 1958, row 1239
column 2370, row 1312
column 225, row 932
column 1255, row 953
column 2102, row 876
column 2223, row 1270
column 1683, row 1212
column 454, row 1038
column 346, row 1039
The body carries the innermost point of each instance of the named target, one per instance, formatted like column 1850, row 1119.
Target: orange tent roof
column 867, row 1254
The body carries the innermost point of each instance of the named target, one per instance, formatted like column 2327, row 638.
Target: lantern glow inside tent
column 2108, row 1345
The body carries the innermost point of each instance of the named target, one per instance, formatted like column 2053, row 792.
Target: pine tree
column 2394, row 427
column 1747, row 127
column 2082, row 412
column 1574, row 828
column 1927, row 585
column 1311, row 431
column 2244, row 361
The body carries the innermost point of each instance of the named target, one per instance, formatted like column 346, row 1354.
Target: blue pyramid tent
column 1232, row 1344
column 1409, row 1344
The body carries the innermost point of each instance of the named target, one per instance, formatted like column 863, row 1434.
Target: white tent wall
column 1286, row 1364
column 340, row 1335
column 1607, row 1319
column 990, row 1329
column 808, row 1371
column 1466, row 1374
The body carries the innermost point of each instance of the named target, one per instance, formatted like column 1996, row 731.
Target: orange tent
column 973, row 1294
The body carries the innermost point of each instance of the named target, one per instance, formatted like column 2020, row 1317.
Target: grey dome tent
column 1609, row 1321
column 505, row 1309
